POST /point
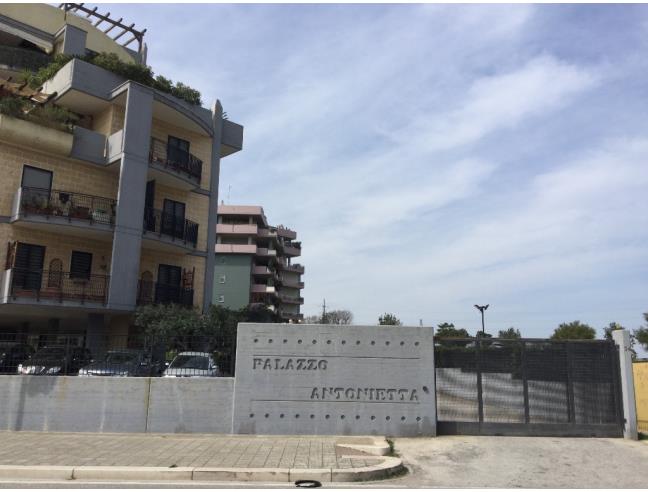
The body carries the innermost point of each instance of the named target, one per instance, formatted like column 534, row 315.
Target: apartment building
column 115, row 211
column 254, row 263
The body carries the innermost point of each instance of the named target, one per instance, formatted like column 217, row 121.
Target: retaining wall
column 77, row 404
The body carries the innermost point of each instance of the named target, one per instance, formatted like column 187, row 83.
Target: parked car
column 123, row 362
column 188, row 364
column 13, row 354
column 56, row 361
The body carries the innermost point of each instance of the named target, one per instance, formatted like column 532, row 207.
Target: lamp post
column 482, row 309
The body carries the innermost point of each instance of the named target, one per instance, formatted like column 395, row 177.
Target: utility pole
column 482, row 309
column 324, row 312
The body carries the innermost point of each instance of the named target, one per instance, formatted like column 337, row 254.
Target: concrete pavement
column 90, row 456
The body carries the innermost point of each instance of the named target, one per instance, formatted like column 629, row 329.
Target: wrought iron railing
column 165, row 224
column 157, row 293
column 67, row 204
column 176, row 160
column 59, row 286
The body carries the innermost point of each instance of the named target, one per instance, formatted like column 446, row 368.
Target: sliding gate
column 528, row 387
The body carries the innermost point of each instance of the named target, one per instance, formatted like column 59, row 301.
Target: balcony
column 261, row 270
column 291, row 300
column 247, row 249
column 171, row 232
column 295, row 267
column 57, row 288
column 263, row 289
column 292, row 249
column 17, row 59
column 65, row 211
column 266, row 233
column 286, row 233
column 174, row 167
column 291, row 316
column 157, row 293
column 266, row 252
column 237, row 229
column 292, row 284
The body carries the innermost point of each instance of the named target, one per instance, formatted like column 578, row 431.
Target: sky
column 433, row 157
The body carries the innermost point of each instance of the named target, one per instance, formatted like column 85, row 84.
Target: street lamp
column 482, row 309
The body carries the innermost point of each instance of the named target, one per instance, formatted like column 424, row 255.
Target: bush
column 141, row 74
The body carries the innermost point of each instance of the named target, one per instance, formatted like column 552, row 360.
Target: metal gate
column 528, row 387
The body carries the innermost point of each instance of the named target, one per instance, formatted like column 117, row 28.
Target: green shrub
column 141, row 74
column 12, row 106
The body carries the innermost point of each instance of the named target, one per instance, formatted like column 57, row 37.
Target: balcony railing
column 23, row 58
column 295, row 267
column 59, row 286
column 176, row 160
column 291, row 300
column 67, row 204
column 169, row 225
column 157, row 293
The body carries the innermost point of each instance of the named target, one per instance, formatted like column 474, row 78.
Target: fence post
column 622, row 340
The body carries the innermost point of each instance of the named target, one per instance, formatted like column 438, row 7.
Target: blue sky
column 432, row 157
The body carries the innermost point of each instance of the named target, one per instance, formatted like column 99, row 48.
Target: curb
column 386, row 468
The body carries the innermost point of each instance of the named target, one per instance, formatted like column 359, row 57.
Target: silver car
column 192, row 364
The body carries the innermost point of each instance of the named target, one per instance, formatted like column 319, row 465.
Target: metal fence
column 59, row 286
column 67, row 204
column 527, row 387
column 80, row 354
column 169, row 225
column 175, row 159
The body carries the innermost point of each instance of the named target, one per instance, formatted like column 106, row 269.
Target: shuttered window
column 81, row 265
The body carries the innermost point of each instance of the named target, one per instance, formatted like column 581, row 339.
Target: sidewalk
column 193, row 457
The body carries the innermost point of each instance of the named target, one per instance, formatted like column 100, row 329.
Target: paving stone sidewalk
column 80, row 449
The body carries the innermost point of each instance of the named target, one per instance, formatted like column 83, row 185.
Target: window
column 28, row 266
column 222, row 279
column 221, row 299
column 168, row 284
column 81, row 265
column 177, row 150
column 34, row 177
column 173, row 218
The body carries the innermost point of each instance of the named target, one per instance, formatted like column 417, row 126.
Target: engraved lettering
column 391, row 393
column 256, row 362
column 350, row 393
column 380, row 394
column 402, row 393
column 267, row 364
column 338, row 393
column 321, row 365
column 414, row 396
column 329, row 393
column 289, row 364
column 315, row 394
column 300, row 364
column 312, row 364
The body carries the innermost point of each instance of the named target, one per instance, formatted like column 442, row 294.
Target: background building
column 254, row 262
column 113, row 207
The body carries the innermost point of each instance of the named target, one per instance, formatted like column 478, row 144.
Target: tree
column 162, row 321
column 313, row 319
column 607, row 335
column 641, row 333
column 389, row 319
column 510, row 333
column 448, row 330
column 574, row 331
column 339, row 317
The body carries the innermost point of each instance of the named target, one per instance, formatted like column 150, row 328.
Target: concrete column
column 210, row 262
column 622, row 339
column 96, row 334
column 127, row 241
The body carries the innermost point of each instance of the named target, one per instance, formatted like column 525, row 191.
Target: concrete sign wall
column 323, row 379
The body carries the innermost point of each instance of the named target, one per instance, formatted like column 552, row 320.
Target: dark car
column 13, row 354
column 56, row 361
column 123, row 363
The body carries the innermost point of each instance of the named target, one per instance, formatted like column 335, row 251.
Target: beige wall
column 68, row 175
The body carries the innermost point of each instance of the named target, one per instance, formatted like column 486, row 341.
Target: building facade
column 116, row 211
column 254, row 263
